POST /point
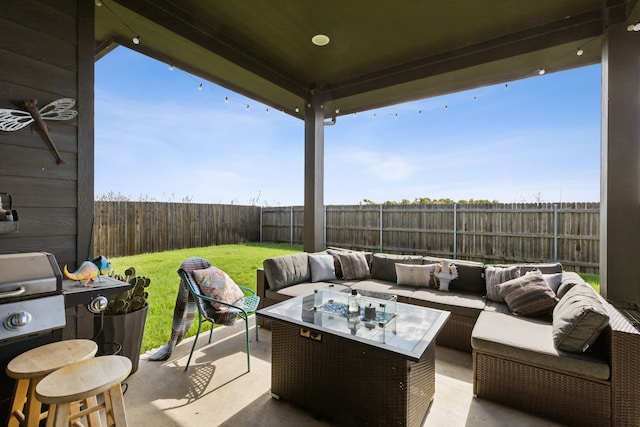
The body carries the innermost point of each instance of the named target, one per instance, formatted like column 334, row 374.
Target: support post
column 620, row 166
column 313, row 173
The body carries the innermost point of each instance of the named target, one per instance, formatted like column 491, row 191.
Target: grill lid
column 25, row 275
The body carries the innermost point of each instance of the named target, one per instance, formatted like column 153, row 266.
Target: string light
column 171, row 67
column 542, row 71
column 200, row 86
column 579, row 52
column 98, row 3
column 136, row 40
column 226, row 99
column 634, row 27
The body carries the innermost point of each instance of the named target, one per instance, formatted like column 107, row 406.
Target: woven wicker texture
column 456, row 333
column 625, row 369
column 564, row 398
column 348, row 382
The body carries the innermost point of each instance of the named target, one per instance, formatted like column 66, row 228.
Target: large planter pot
column 126, row 330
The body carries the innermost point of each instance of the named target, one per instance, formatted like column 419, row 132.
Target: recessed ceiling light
column 320, row 40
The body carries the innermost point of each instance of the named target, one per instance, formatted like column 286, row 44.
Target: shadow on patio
column 217, row 390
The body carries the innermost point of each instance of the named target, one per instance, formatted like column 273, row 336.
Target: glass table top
column 381, row 321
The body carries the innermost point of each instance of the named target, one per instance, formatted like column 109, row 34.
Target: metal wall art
column 13, row 120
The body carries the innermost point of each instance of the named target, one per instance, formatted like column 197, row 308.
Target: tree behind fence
column 130, row 228
column 497, row 233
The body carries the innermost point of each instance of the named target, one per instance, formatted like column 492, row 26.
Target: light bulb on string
column 200, row 86
column 136, row 40
column 542, row 71
column 171, row 67
column 297, row 110
column 247, row 107
column 580, row 51
column 636, row 27
column 226, row 99
column 98, row 3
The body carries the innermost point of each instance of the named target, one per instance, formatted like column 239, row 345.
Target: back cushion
column 546, row 268
column 578, row 319
column 470, row 275
column 383, row 266
column 287, row 270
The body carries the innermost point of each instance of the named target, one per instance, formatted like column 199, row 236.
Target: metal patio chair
column 250, row 305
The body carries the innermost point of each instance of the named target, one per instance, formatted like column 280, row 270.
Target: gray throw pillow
column 322, row 267
column 495, row 275
column 578, row 319
column 528, row 295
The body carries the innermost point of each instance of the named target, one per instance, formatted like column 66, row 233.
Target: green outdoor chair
column 249, row 306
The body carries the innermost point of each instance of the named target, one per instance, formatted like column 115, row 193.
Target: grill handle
column 21, row 290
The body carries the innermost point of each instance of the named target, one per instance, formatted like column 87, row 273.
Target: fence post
column 455, row 230
column 555, row 232
column 260, row 224
column 291, row 232
column 324, row 226
column 381, row 246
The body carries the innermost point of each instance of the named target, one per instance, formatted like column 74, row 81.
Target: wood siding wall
column 130, row 228
column 501, row 233
column 46, row 53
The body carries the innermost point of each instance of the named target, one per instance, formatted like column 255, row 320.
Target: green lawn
column 238, row 261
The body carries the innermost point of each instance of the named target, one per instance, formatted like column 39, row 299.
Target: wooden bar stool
column 85, row 381
column 30, row 367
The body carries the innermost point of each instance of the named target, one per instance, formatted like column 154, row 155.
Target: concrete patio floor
column 217, row 390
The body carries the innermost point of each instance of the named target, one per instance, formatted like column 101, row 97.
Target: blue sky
column 158, row 136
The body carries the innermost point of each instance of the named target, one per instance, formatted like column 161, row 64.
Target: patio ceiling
column 380, row 53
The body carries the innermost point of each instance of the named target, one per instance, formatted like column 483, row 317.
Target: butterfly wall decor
column 13, row 120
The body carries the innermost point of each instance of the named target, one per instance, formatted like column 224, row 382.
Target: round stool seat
column 45, row 359
column 31, row 366
column 83, row 379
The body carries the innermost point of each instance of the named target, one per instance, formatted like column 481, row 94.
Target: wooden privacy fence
column 497, row 233
column 130, row 228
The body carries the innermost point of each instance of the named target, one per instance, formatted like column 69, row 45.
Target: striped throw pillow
column 354, row 266
column 496, row 275
column 529, row 295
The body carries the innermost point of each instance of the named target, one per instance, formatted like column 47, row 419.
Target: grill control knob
column 98, row 304
column 18, row 320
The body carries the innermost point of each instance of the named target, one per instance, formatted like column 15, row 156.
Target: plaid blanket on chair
column 185, row 310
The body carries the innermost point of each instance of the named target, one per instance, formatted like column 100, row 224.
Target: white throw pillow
column 322, row 267
column 413, row 274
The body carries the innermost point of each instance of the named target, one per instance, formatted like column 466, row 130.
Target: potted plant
column 122, row 323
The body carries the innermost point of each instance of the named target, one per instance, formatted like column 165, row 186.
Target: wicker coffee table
column 368, row 371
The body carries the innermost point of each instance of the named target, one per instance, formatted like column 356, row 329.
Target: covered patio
column 217, row 388
column 378, row 54
column 320, row 61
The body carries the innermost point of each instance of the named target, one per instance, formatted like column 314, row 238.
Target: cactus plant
column 132, row 299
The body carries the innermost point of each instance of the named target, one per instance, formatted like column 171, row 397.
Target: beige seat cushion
column 460, row 303
column 301, row 289
column 531, row 341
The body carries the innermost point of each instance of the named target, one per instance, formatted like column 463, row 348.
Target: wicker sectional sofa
column 593, row 380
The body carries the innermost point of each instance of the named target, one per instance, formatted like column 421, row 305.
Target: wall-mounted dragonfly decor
column 13, row 120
